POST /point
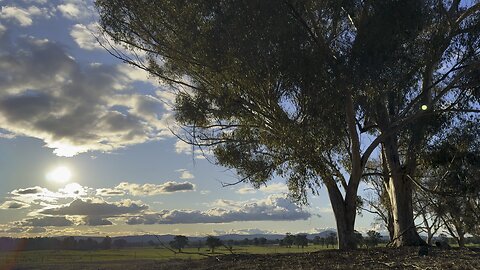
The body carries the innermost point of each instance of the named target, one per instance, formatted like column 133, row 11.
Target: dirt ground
column 378, row 258
column 381, row 258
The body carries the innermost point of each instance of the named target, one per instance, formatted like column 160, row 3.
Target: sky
column 87, row 146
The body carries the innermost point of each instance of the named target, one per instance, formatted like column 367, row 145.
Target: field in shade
column 248, row 257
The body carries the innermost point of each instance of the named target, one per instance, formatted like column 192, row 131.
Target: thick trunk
column 400, row 189
column 345, row 213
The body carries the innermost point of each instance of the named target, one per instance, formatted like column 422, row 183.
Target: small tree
column 301, row 240
column 359, row 239
column 288, row 240
column 373, row 238
column 331, row 239
column 316, row 240
column 213, row 242
column 179, row 242
column 120, row 243
column 106, row 243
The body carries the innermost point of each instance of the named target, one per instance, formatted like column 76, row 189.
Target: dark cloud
column 273, row 208
column 97, row 221
column 14, row 205
column 146, row 189
column 110, row 192
column 27, row 191
column 174, row 187
column 46, row 221
column 48, row 95
column 37, row 230
column 88, row 208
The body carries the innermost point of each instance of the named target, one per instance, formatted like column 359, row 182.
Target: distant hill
column 237, row 237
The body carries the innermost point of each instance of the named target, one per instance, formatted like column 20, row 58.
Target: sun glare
column 60, row 175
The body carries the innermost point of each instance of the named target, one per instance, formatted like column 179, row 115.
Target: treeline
column 66, row 243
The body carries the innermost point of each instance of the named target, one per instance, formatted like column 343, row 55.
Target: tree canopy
column 309, row 89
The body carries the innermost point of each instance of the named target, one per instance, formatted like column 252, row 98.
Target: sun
column 60, row 174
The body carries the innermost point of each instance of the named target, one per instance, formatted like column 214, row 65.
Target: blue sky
column 87, row 148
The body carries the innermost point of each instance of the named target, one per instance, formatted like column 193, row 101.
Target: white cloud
column 75, row 10
column 20, row 15
column 273, row 188
column 23, row 16
column 185, row 174
column 84, row 36
column 246, row 190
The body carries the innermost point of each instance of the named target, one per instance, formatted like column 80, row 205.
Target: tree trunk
column 345, row 214
column 461, row 236
column 400, row 189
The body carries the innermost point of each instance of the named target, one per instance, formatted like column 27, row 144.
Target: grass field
column 53, row 257
column 130, row 258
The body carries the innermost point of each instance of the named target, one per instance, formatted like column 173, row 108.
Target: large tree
column 309, row 89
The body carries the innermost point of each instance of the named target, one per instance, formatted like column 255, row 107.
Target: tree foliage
column 179, row 242
column 295, row 88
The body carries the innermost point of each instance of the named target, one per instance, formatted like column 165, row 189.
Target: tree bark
column 400, row 189
column 345, row 214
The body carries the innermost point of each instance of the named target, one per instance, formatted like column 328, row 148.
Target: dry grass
column 378, row 258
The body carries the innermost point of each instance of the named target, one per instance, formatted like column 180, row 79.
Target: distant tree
column 262, row 241
column 152, row 243
column 106, row 243
column 359, row 238
column 316, row 240
column 245, row 242
column 91, row 244
column 288, row 240
column 331, row 239
column 69, row 243
column 179, row 242
column 373, row 238
column 120, row 243
column 301, row 240
column 213, row 242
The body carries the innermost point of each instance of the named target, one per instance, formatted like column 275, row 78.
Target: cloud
column 46, row 221
column 90, row 208
column 272, row 208
column 40, row 194
column 23, row 16
column 246, row 190
column 185, row 174
column 147, row 189
column 182, row 147
column 73, row 108
column 14, row 205
column 20, row 15
column 84, row 36
column 26, row 191
column 97, row 221
column 36, row 230
column 108, row 192
column 268, row 189
column 74, row 10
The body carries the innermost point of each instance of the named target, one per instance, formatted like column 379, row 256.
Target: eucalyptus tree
column 452, row 187
column 308, row 89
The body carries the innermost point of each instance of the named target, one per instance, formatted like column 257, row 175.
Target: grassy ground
column 51, row 257
column 247, row 257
